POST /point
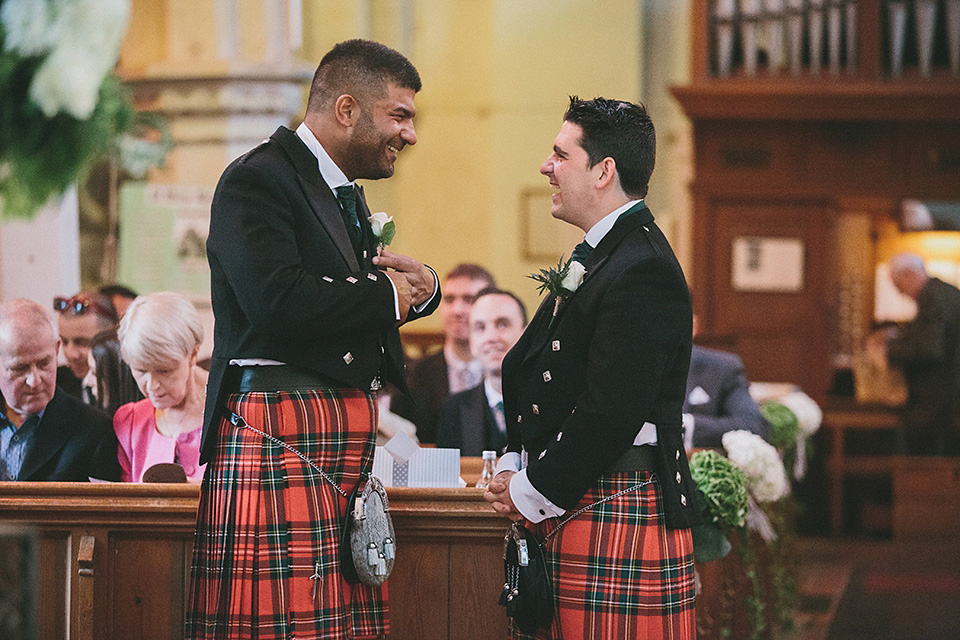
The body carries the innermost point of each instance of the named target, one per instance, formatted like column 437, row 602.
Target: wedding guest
column 120, row 295
column 45, row 433
column 109, row 377
column 433, row 378
column 79, row 318
column 473, row 420
column 160, row 338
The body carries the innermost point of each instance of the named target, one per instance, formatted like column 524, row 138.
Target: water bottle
column 486, row 474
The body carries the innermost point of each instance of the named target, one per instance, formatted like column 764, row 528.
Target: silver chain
column 239, row 421
column 594, row 504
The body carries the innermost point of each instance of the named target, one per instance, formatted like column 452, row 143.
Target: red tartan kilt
column 616, row 572
column 266, row 519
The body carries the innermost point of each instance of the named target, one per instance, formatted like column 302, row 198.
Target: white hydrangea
column 90, row 33
column 808, row 412
column 766, row 477
column 31, row 27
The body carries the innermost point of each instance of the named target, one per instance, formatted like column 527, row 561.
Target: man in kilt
column 593, row 393
column 306, row 327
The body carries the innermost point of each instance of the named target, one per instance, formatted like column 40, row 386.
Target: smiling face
column 496, row 323
column 568, row 168
column 383, row 129
column 165, row 385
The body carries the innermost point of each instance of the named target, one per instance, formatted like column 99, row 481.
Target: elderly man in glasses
column 80, row 318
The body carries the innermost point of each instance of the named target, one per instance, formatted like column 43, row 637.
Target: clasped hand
column 498, row 495
column 414, row 282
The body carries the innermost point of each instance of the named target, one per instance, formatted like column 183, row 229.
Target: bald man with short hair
column 45, row 433
column 927, row 349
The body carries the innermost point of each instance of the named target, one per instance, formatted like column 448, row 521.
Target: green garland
column 41, row 157
column 784, row 426
column 722, row 494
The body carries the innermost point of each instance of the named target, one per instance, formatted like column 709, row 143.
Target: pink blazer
column 142, row 446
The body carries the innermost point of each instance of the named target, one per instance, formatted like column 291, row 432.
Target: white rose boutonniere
column 383, row 229
column 560, row 282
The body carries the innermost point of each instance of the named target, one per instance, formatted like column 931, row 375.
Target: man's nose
column 409, row 135
column 33, row 377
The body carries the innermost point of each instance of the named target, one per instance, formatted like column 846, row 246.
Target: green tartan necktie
column 348, row 207
column 581, row 252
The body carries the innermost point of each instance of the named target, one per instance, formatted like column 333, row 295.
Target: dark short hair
column 361, row 68
column 115, row 382
column 473, row 272
column 112, row 290
column 493, row 291
column 619, row 130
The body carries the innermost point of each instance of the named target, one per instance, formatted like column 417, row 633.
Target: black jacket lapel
column 321, row 198
column 50, row 437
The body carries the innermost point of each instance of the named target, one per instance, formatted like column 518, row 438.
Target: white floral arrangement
column 808, row 412
column 60, row 104
column 80, row 40
column 766, row 477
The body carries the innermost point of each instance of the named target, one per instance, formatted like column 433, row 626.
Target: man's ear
column 346, row 110
column 608, row 172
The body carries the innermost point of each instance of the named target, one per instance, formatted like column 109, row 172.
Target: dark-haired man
column 593, row 392
column 79, row 319
column 306, row 329
column 474, row 420
column 454, row 368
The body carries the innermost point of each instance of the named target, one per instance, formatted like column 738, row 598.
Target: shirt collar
column 603, row 226
column 493, row 396
column 329, row 171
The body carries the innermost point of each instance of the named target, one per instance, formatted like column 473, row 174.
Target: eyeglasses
column 78, row 305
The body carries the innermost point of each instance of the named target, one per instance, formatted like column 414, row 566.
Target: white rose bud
column 574, row 277
column 377, row 222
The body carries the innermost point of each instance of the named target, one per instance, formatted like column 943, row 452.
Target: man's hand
column 403, row 292
column 421, row 280
column 498, row 495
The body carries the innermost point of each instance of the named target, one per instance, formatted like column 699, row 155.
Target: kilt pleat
column 268, row 523
column 616, row 572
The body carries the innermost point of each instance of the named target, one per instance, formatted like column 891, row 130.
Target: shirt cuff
column 420, row 307
column 688, row 423
column 531, row 503
column 510, row 461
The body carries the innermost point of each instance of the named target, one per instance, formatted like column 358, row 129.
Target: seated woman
column 160, row 338
column 109, row 377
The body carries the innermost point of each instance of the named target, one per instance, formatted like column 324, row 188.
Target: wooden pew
column 115, row 560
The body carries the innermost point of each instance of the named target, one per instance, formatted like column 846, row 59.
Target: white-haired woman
column 160, row 337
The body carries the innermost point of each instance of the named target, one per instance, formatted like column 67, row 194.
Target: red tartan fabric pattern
column 617, row 572
column 266, row 519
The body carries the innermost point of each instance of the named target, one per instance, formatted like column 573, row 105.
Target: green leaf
column 709, row 543
column 386, row 236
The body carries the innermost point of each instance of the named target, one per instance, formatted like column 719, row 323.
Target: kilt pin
column 587, row 376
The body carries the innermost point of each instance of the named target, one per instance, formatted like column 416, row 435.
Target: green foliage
column 40, row 157
column 723, row 485
column 550, row 279
column 784, row 426
column 389, row 231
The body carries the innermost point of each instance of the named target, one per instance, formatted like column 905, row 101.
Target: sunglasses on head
column 79, row 305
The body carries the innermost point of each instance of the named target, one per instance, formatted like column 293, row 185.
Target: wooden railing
column 113, row 562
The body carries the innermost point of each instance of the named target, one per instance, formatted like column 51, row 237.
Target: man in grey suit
column 718, row 399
